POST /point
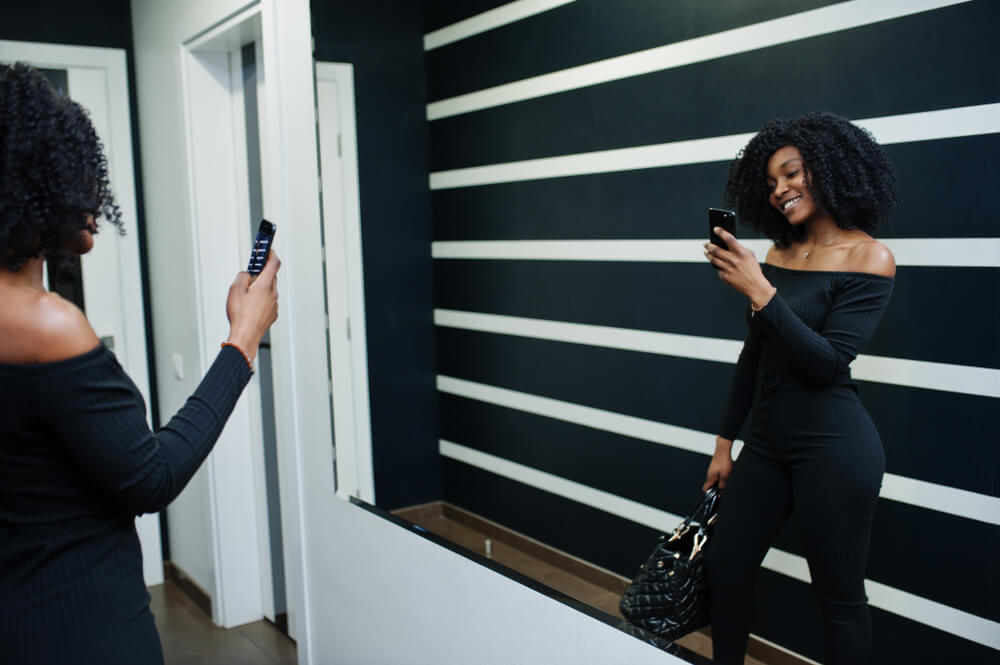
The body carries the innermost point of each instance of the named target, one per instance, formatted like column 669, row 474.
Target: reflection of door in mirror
column 341, row 211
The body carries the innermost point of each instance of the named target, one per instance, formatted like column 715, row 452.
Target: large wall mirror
column 583, row 349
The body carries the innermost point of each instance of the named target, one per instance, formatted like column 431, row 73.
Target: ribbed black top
column 78, row 462
column 811, row 330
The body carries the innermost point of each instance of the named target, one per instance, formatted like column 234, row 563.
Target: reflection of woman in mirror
column 77, row 459
column 816, row 186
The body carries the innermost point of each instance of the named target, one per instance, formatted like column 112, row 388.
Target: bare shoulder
column 776, row 256
column 871, row 256
column 60, row 328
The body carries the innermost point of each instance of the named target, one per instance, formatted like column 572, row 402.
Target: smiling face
column 788, row 184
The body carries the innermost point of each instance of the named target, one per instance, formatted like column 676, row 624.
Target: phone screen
column 261, row 247
column 724, row 218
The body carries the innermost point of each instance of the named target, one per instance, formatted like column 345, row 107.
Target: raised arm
column 94, row 411
column 822, row 356
column 99, row 417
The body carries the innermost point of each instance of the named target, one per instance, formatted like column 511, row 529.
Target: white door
column 112, row 281
column 344, row 280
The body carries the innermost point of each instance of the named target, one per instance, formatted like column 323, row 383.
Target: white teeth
column 789, row 203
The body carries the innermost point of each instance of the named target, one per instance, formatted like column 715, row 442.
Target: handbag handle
column 703, row 513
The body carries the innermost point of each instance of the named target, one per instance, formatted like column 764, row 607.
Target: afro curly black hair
column 849, row 176
column 53, row 172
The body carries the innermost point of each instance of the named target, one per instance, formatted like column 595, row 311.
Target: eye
column 794, row 173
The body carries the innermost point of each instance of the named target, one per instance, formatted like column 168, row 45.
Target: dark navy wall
column 383, row 40
column 82, row 23
column 942, row 312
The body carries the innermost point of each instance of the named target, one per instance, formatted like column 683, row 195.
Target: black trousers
column 833, row 490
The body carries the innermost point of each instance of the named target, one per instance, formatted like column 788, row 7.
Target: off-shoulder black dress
column 811, row 448
column 78, row 462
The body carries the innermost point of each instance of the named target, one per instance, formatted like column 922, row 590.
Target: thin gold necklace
column 809, row 251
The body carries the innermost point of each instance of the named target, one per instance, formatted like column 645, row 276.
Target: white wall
column 209, row 522
column 392, row 596
column 159, row 30
column 180, row 265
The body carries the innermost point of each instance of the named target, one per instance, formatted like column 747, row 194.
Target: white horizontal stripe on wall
column 972, row 505
column 965, row 379
column 677, row 251
column 494, row 18
column 694, row 151
column 913, row 607
column 812, row 23
column 588, row 416
column 945, row 252
column 658, row 519
column 924, row 252
column 627, row 339
column 940, row 498
column 904, row 128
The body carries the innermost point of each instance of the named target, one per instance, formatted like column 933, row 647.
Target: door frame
column 290, row 193
column 215, row 138
column 131, row 346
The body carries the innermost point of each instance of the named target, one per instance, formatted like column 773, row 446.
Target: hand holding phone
column 725, row 219
column 252, row 305
column 261, row 247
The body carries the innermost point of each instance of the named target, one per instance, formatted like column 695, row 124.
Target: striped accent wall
column 585, row 349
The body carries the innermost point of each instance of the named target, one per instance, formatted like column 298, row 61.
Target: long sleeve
column 821, row 356
column 741, row 389
column 99, row 417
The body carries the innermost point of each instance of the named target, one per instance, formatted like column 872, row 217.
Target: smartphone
column 723, row 218
column 261, row 247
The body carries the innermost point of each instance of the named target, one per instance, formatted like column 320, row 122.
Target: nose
column 780, row 187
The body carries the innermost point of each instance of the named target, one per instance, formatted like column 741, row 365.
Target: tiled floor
column 190, row 638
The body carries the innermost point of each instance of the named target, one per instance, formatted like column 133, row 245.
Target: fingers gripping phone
column 722, row 218
column 261, row 247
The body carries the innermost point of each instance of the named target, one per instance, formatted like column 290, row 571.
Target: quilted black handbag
column 669, row 595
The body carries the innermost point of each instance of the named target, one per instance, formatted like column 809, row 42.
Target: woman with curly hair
column 816, row 186
column 77, row 460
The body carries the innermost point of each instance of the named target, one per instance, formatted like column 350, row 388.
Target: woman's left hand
column 739, row 268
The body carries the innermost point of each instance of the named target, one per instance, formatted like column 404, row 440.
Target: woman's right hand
column 721, row 465
column 252, row 306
